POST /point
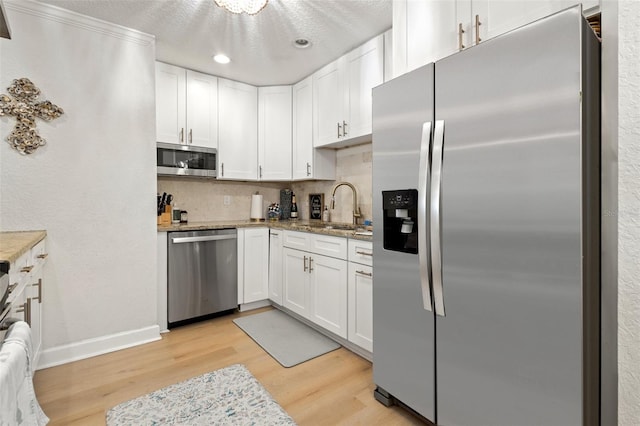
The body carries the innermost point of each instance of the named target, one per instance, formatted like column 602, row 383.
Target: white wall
column 92, row 187
column 628, row 212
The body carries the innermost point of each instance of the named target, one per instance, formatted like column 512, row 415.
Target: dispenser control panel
column 404, row 199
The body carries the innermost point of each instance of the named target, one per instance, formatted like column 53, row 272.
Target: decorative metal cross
column 25, row 108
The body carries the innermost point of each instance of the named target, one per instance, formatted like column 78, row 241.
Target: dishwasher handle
column 181, row 240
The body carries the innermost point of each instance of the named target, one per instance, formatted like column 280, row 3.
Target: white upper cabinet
column 308, row 162
column 274, row 133
column 342, row 95
column 426, row 31
column 171, row 106
column 186, row 106
column 202, row 109
column 238, row 130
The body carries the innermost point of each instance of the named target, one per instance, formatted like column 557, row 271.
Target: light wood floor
column 333, row 389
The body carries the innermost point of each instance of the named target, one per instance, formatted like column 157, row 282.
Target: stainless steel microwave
column 186, row 160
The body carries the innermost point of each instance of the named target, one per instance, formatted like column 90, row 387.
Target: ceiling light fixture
column 301, row 43
column 221, row 59
column 250, row 7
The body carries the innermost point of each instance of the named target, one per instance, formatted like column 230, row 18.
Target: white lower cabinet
column 295, row 294
column 360, row 308
column 315, row 285
column 275, row 266
column 253, row 265
column 328, row 293
column 361, row 293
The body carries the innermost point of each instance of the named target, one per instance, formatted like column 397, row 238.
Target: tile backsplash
column 204, row 199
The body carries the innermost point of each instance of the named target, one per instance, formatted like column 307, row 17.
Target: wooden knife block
column 165, row 218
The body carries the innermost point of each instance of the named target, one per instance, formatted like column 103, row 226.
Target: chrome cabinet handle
column 478, row 23
column 42, row 256
column 305, row 264
column 308, row 169
column 39, row 285
column 344, row 128
column 260, row 167
column 222, row 169
column 436, row 222
column 190, row 135
column 339, row 127
column 27, row 269
column 364, row 253
column 460, row 32
column 182, row 135
column 423, row 246
column 310, row 267
column 366, row 274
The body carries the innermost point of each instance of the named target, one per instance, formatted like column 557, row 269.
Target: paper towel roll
column 256, row 207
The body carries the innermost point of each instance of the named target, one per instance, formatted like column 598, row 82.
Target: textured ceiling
column 189, row 32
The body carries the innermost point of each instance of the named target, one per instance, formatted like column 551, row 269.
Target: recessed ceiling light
column 222, row 59
column 301, row 43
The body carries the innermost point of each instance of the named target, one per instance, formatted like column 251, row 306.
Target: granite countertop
column 15, row 244
column 331, row 228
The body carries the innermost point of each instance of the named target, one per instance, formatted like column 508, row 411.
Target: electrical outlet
column 227, row 200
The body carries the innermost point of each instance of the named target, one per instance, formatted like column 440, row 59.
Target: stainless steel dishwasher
column 202, row 274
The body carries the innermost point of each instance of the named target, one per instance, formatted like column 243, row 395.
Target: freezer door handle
column 435, row 227
column 423, row 246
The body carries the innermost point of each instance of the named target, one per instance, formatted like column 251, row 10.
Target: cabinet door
column 329, row 103
column 360, row 309
column 365, row 67
column 170, row 103
column 431, row 31
column 308, row 162
column 275, row 266
column 202, row 110
column 256, row 264
column 238, row 130
column 499, row 17
column 296, row 281
column 274, row 133
column 303, row 129
column 328, row 293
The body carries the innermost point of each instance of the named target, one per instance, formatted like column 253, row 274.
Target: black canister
column 285, row 204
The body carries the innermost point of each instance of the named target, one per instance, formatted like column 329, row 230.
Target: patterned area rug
column 230, row 396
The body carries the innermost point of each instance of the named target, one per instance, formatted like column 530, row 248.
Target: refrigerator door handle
column 435, row 227
column 423, row 191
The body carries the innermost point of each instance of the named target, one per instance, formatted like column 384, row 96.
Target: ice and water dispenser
column 400, row 227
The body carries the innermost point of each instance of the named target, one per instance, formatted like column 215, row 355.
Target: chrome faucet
column 356, row 209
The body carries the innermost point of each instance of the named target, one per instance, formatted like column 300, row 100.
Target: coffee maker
column 400, row 220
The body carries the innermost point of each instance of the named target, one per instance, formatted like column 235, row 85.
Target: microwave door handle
column 423, row 193
column 435, row 228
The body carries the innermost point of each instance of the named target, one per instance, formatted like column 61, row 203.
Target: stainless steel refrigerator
column 486, row 231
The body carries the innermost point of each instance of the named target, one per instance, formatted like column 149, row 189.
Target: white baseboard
column 97, row 346
column 254, row 305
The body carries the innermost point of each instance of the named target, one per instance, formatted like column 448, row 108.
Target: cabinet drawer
column 297, row 240
column 329, row 246
column 361, row 252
